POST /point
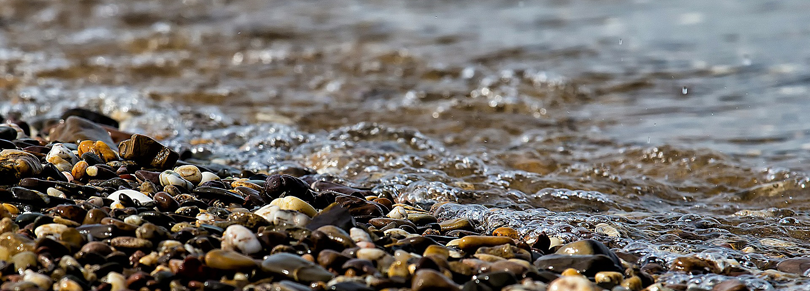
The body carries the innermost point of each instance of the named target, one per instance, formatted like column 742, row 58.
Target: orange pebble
column 507, row 232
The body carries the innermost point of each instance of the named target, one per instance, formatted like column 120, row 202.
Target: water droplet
column 684, row 90
column 620, row 41
column 648, row 139
column 746, row 61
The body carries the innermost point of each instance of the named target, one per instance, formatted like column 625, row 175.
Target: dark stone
column 360, row 266
column 75, row 129
column 490, row 281
column 7, row 144
column 211, row 285
column 587, row 265
column 334, row 214
column 147, row 152
column 8, row 133
column 71, row 212
column 340, row 188
column 589, row 247
column 413, row 244
column 220, row 194
column 91, row 116
column 277, row 186
column 332, row 260
column 92, row 158
column 360, row 208
column 350, row 286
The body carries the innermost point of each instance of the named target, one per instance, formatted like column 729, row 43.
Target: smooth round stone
column 794, row 265
column 506, row 251
column 295, row 268
column 473, row 242
column 694, row 265
column 295, row 203
column 166, row 202
column 94, row 216
column 589, row 247
column 229, row 260
column 152, row 232
column 429, row 280
column 359, row 235
column 16, row 243
column 118, row 281
column 331, row 259
column 190, row 172
column 73, row 212
column 633, row 283
column 239, row 238
column 42, row 281
column 456, row 224
column 509, row 266
column 608, row 279
column 587, row 265
column 24, row 260
column 572, row 283
column 507, row 232
column 437, row 251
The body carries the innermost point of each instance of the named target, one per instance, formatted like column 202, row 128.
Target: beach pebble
column 241, row 239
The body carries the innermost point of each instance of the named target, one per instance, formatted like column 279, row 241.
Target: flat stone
column 75, row 129
column 430, row 280
column 794, row 265
column 229, row 260
column 587, row 265
column 473, row 242
column 295, row 268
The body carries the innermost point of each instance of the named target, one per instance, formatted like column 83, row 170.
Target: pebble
column 134, row 195
column 473, row 242
column 75, row 129
column 294, row 203
column 296, row 268
column 798, row 265
column 42, row 281
column 730, row 285
column 239, row 238
column 16, row 164
column 170, row 177
column 190, row 173
column 229, row 260
column 571, row 283
column 147, row 152
column 429, row 280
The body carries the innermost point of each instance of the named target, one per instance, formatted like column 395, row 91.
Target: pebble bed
column 93, row 208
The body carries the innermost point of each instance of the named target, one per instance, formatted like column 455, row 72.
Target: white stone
column 50, row 229
column 190, row 173
column 571, row 283
column 398, row 212
column 241, row 239
column 208, row 176
column 358, row 235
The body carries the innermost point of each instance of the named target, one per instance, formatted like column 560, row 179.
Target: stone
column 730, row 285
column 75, row 129
column 430, row 280
column 572, row 283
column 190, row 173
column 132, row 194
column 295, row 203
column 507, row 232
column 296, row 268
column 42, row 281
column 277, row 186
column 170, row 177
column 50, row 229
column 694, row 265
column 16, row 164
column 239, row 238
column 589, row 247
column 587, row 265
column 229, row 260
column 147, row 152
column 165, row 202
column 334, row 214
column 473, row 242
column 490, row 281
column 24, row 260
column 506, row 251
column 92, row 116
column 61, row 157
column 71, row 212
column 798, row 265
column 131, row 243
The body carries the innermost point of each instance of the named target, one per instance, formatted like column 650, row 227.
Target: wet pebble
column 239, row 238
column 296, row 268
column 429, row 280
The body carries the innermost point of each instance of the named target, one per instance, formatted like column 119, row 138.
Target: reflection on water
column 665, row 127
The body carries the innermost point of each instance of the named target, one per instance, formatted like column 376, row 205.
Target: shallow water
column 663, row 128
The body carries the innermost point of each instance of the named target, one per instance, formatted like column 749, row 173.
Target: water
column 663, row 128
